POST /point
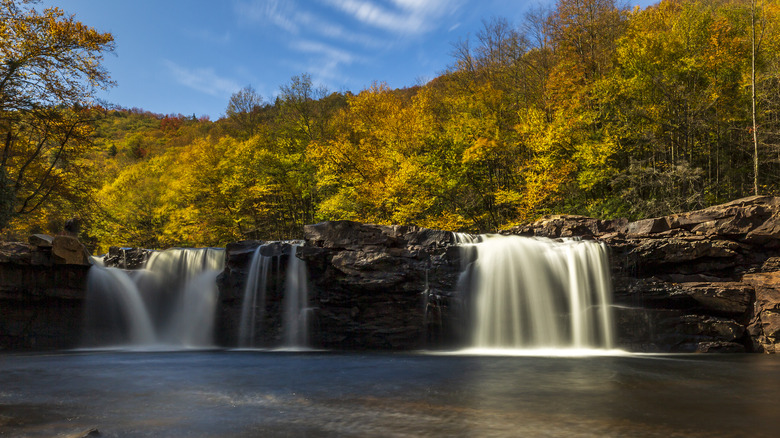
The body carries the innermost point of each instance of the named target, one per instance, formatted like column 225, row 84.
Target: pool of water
column 322, row 394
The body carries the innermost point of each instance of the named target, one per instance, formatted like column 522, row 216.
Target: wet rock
column 42, row 306
column 715, row 328
column 232, row 284
column 91, row 432
column 42, row 289
column 718, row 347
column 126, row 258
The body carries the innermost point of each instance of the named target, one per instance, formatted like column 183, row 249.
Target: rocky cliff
column 42, row 287
column 704, row 281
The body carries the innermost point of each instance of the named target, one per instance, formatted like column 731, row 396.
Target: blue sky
column 189, row 56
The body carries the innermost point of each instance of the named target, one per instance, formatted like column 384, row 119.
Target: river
column 322, row 394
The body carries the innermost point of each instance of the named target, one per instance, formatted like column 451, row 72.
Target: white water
column 297, row 313
column 171, row 302
column 254, row 298
column 533, row 293
column 115, row 309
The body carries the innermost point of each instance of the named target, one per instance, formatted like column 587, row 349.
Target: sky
column 189, row 56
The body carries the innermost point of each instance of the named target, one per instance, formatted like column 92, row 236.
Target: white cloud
column 204, row 80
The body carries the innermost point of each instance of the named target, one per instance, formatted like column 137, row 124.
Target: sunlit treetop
column 48, row 58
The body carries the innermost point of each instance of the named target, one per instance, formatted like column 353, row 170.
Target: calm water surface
column 271, row 394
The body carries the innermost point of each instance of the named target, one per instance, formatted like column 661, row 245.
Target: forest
column 588, row 108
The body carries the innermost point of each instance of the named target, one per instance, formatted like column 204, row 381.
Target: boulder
column 41, row 240
column 764, row 325
column 647, row 226
column 67, row 250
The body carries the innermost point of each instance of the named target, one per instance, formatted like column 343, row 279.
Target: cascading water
column 171, row 302
column 187, row 295
column 115, row 312
column 253, row 307
column 265, row 289
column 533, row 293
column 297, row 313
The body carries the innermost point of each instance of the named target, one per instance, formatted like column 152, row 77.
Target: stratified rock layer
column 42, row 287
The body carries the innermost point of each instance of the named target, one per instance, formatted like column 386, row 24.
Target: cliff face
column 370, row 287
column 42, row 287
column 382, row 287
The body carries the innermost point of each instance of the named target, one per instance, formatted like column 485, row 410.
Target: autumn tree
column 50, row 66
column 678, row 101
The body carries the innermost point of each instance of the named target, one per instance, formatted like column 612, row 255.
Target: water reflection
column 328, row 394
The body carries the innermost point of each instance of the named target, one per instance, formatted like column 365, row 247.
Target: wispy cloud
column 334, row 31
column 329, row 36
column 278, row 13
column 318, row 48
column 295, row 19
column 326, row 62
column 407, row 17
column 204, row 80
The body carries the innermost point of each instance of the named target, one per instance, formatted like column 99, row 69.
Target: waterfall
column 171, row 302
column 254, row 298
column 286, row 299
column 297, row 313
column 114, row 309
column 534, row 293
column 186, row 298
